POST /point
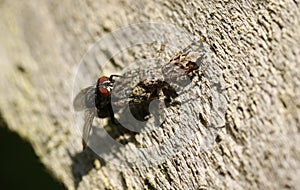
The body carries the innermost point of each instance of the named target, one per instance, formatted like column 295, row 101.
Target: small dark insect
column 95, row 100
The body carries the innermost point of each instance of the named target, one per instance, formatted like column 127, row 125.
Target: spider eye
column 103, row 91
column 103, row 79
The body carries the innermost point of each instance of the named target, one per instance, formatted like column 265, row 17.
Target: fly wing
column 85, row 99
column 89, row 115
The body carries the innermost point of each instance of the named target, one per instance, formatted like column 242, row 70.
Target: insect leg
column 112, row 76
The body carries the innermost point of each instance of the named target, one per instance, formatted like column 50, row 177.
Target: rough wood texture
column 256, row 43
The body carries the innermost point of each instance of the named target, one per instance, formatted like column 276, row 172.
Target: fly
column 95, row 101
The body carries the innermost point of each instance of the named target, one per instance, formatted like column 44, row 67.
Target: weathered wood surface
column 255, row 43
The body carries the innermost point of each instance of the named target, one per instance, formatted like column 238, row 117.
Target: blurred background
column 21, row 168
